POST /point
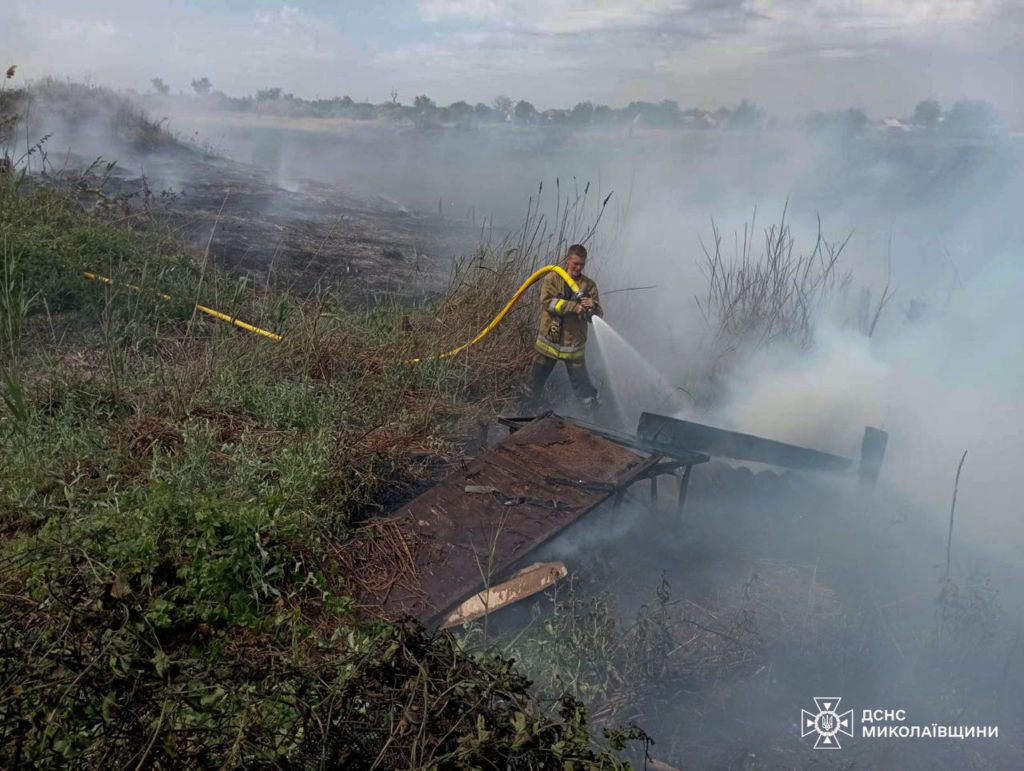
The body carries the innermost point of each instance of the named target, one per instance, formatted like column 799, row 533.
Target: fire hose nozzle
column 581, row 295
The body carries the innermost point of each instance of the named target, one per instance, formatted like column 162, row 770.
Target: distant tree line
column 965, row 116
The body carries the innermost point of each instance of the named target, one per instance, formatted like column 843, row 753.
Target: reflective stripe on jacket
column 563, row 332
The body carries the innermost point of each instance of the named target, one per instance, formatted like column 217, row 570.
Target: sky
column 791, row 56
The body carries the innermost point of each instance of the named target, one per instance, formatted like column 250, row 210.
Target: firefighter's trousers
column 541, row 370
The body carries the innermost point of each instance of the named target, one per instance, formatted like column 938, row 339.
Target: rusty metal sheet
column 521, row 492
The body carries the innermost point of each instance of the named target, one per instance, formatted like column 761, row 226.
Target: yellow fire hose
column 508, row 306
column 486, row 330
column 201, row 308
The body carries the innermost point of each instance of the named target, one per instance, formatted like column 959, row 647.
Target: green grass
column 171, row 491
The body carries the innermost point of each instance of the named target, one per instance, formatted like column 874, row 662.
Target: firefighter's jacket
column 563, row 332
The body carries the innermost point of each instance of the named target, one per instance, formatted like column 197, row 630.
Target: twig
column 152, row 740
column 1006, row 671
column 885, row 625
column 886, row 295
column 952, row 511
column 206, row 259
column 630, row 289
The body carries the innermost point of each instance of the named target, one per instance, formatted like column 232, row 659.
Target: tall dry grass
column 754, row 298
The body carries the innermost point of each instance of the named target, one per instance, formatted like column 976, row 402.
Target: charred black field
column 192, row 516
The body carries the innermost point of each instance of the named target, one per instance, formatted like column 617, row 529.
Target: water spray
column 645, row 383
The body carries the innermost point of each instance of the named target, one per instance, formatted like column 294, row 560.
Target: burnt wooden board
column 669, row 434
column 461, row 541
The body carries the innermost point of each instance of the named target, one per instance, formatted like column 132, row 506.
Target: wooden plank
column 668, row 434
column 657, row 765
column 524, row 583
column 687, row 456
column 513, row 424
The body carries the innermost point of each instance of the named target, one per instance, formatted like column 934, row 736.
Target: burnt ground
column 310, row 235
column 775, row 588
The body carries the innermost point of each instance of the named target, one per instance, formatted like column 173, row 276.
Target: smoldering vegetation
column 800, row 288
column 776, row 587
column 303, row 233
column 785, row 585
column 710, row 628
column 794, row 286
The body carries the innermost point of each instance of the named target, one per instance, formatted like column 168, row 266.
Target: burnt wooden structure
column 669, row 433
column 664, row 434
column 469, row 532
column 473, row 528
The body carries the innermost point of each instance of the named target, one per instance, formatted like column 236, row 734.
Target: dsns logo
column 828, row 723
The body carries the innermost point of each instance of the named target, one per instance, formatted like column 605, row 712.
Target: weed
column 14, row 308
column 171, row 513
column 753, row 301
column 581, row 647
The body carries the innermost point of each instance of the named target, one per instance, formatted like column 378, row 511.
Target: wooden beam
column 671, row 434
column 684, row 486
column 872, row 452
column 685, row 456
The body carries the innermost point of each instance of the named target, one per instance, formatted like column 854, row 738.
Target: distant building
column 556, row 117
column 698, row 119
column 894, row 125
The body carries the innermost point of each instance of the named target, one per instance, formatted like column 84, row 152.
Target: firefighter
column 563, row 329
